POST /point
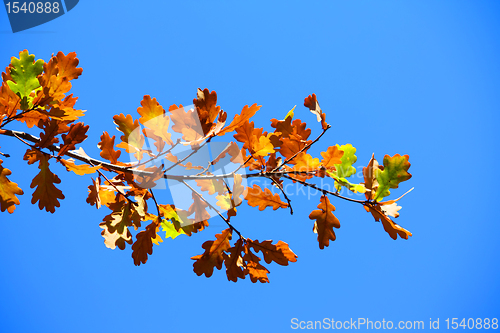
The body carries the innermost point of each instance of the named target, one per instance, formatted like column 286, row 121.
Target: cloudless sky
column 409, row 77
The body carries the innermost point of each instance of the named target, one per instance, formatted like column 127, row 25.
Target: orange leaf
column 46, row 193
column 331, row 157
column 80, row 170
column 240, row 119
column 9, row 101
column 154, row 118
column 305, row 163
column 132, row 139
column 76, row 135
column 207, row 101
column 256, row 197
column 8, row 191
column 32, row 156
column 213, row 256
column 107, row 148
column 256, row 271
column 211, row 185
column 245, row 134
column 279, row 253
column 325, row 222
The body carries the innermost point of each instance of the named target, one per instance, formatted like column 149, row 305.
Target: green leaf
column 395, row 171
column 339, row 182
column 345, row 169
column 169, row 230
column 24, row 73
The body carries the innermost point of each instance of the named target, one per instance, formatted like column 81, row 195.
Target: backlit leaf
column 256, row 197
column 395, row 171
column 325, row 222
column 213, row 255
column 46, row 194
column 8, row 191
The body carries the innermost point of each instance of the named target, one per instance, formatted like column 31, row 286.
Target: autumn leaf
column 132, row 139
column 395, row 171
column 46, row 194
column 51, row 128
column 370, row 173
column 256, row 271
column 390, row 227
column 80, row 170
column 144, row 244
column 107, row 148
column 9, row 101
column 211, row 185
column 8, row 191
column 76, row 135
column 234, row 262
column 24, row 72
column 256, row 197
column 213, row 255
column 312, row 104
column 240, row 119
column 198, row 207
column 345, row 168
column 325, row 222
column 305, row 163
column 32, row 155
column 332, row 157
column 154, row 118
column 279, row 253
column 170, row 231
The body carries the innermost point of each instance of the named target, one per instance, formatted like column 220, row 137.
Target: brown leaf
column 279, row 253
column 32, row 155
column 325, row 222
column 144, row 244
column 234, row 262
column 8, row 191
column 76, row 135
column 46, row 194
column 256, row 197
column 213, row 255
column 390, row 227
column 51, row 128
column 312, row 104
column 370, row 175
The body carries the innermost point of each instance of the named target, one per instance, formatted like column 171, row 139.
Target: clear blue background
column 408, row 77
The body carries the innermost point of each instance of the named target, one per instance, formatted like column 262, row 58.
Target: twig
column 191, row 154
column 326, row 191
column 156, row 203
column 284, row 194
column 154, row 158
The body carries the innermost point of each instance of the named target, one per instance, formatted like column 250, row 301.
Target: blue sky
column 418, row 78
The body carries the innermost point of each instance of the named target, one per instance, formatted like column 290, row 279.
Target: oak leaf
column 395, row 171
column 213, row 255
column 253, row 268
column 9, row 101
column 8, row 191
column 154, row 118
column 107, row 148
column 24, row 72
column 325, row 222
column 390, row 227
column 132, row 139
column 46, row 194
column 241, row 119
column 312, row 104
column 279, row 253
column 256, row 197
column 80, row 170
column 234, row 262
column 144, row 244
column 75, row 135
